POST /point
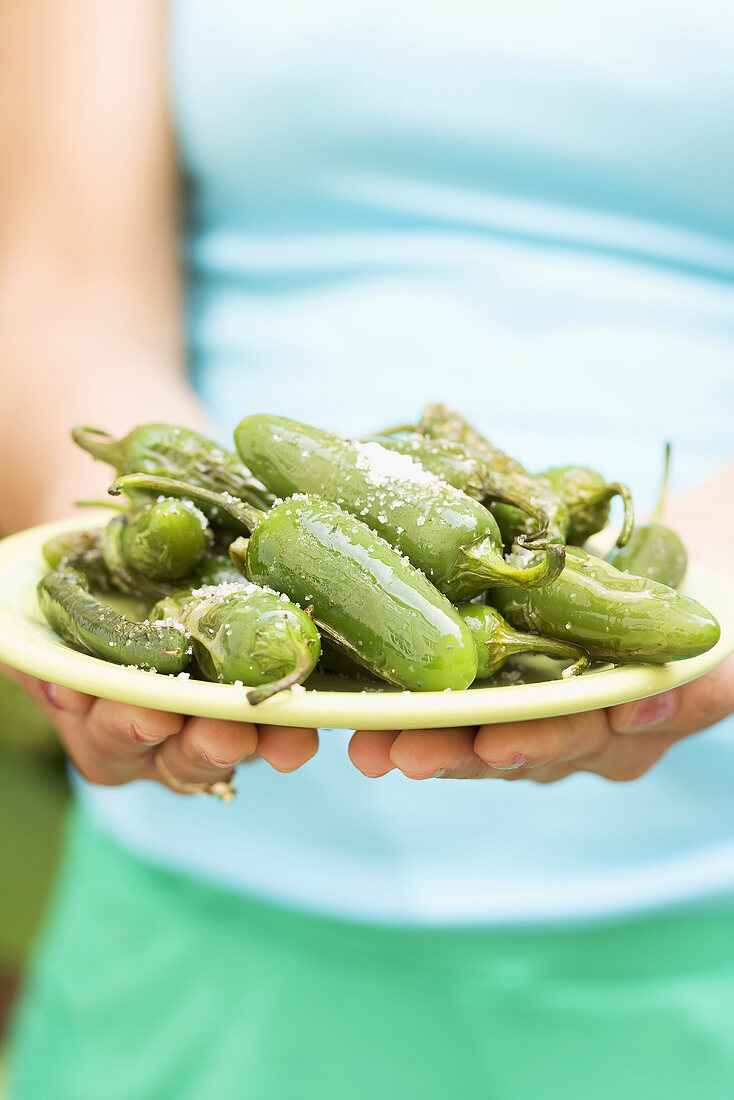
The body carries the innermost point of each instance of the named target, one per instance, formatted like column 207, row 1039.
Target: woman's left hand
column 620, row 743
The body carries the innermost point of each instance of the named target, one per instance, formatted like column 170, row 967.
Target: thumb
column 687, row 709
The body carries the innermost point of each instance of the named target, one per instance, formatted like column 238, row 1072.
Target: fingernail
column 216, row 763
column 517, row 762
column 145, row 738
column 652, row 711
column 439, row 774
column 51, row 692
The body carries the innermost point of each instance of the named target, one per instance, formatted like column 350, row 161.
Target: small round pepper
column 242, row 633
column 654, row 550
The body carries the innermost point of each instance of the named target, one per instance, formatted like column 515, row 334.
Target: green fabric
column 152, row 986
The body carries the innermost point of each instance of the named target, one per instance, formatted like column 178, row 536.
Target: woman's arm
column 621, row 743
column 90, row 320
column 90, row 326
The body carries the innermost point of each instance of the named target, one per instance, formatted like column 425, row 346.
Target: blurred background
column 33, row 799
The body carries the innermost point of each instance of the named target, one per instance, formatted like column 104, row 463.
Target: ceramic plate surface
column 28, row 643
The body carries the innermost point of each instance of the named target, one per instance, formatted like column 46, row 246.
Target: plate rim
column 368, row 709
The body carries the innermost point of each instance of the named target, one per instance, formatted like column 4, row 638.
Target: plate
column 28, row 643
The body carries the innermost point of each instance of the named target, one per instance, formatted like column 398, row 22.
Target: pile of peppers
column 422, row 557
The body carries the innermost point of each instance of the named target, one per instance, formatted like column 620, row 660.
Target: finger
column 510, row 746
column 205, row 751
column 113, row 743
column 286, row 748
column 369, row 751
column 434, row 753
column 688, row 709
column 51, row 697
column 66, row 699
column 126, row 731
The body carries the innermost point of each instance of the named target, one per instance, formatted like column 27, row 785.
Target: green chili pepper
column 81, row 550
column 167, row 541
column 509, row 475
column 446, row 534
column 460, row 466
column 242, row 633
column 654, row 550
column 384, row 613
column 496, row 641
column 90, row 625
column 367, row 598
column 586, row 496
column 149, row 555
column 165, row 450
column 614, row 616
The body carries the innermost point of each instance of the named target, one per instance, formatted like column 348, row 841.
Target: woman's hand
column 113, row 743
column 621, row 743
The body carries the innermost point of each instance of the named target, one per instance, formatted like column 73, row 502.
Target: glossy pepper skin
column 241, row 632
column 460, row 466
column 496, row 640
column 123, row 577
column 374, row 605
column 612, row 615
column 442, row 422
column 81, row 550
column 365, row 597
column 166, row 542
column 446, row 534
column 166, row 450
column 654, row 550
column 86, row 623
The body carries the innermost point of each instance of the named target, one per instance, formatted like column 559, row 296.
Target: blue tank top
column 527, row 212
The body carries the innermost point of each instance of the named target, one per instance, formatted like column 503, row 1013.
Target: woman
column 528, row 215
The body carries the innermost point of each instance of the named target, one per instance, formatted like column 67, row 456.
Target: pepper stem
column 397, row 429
column 481, row 561
column 657, row 515
column 619, row 489
column 266, row 691
column 98, row 443
column 536, row 539
column 100, row 504
column 245, row 514
column 551, row 647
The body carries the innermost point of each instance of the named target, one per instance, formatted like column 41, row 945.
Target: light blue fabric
column 528, row 213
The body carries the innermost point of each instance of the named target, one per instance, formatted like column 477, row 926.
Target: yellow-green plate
column 27, row 643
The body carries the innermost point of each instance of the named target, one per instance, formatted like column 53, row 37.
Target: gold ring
column 221, row 789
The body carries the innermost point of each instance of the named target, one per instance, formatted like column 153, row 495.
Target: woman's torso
column 529, row 215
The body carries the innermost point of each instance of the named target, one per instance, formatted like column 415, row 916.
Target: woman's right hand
column 113, row 743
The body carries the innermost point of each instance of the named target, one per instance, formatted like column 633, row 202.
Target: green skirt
column 149, row 985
